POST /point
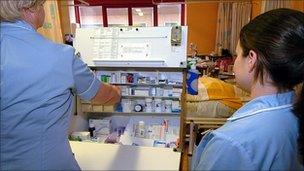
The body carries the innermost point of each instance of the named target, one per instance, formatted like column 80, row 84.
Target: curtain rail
column 203, row 1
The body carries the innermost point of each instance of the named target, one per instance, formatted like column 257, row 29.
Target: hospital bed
column 209, row 109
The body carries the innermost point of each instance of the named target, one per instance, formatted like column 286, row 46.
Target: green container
column 105, row 78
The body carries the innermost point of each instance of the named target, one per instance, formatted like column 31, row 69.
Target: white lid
column 91, row 125
column 138, row 108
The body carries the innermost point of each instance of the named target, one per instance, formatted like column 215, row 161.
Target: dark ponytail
column 277, row 36
column 299, row 111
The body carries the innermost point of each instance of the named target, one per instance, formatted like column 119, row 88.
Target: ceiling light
column 137, row 9
column 140, row 13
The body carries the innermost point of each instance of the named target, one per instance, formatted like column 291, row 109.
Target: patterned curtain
column 224, row 24
column 268, row 5
column 232, row 16
column 241, row 15
column 51, row 28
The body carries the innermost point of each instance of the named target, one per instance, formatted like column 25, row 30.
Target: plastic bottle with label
column 148, row 105
column 113, row 78
column 92, row 130
column 141, row 129
column 192, row 80
column 158, row 105
column 126, row 105
column 168, row 106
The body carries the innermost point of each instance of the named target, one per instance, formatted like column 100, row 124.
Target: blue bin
column 192, row 81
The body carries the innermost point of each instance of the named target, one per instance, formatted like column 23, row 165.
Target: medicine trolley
column 149, row 65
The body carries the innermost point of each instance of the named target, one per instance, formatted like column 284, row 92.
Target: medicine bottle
column 92, row 130
column 141, row 129
column 148, row 105
column 158, row 105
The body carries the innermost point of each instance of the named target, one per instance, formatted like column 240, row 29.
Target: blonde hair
column 10, row 10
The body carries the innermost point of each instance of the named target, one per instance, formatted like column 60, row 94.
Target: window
column 169, row 15
column 91, row 16
column 170, row 24
column 117, row 17
column 72, row 12
column 142, row 17
column 123, row 13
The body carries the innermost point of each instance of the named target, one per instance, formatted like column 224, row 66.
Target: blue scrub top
column 38, row 82
column 262, row 135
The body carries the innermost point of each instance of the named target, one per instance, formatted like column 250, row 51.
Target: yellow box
column 97, row 108
column 86, row 107
column 108, row 108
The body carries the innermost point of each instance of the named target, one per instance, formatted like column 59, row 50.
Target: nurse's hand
column 107, row 95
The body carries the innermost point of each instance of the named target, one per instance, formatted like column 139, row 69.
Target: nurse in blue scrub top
column 267, row 132
column 38, row 81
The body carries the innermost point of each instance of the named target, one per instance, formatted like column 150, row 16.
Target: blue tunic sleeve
column 86, row 83
column 222, row 154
